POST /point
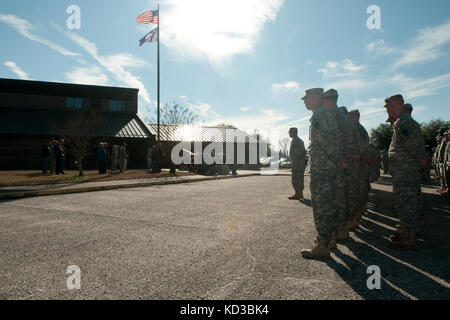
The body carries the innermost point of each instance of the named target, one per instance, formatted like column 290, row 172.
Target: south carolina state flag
column 152, row 36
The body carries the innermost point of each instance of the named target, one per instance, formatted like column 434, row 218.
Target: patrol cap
column 393, row 98
column 344, row 108
column 354, row 113
column 331, row 93
column 313, row 92
column 408, row 106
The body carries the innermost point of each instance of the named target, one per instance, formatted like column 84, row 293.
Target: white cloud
column 291, row 86
column 215, row 30
column 26, row 29
column 299, row 123
column 17, row 70
column 427, row 46
column 245, row 109
column 356, row 83
column 346, row 68
column 115, row 64
column 202, row 109
column 380, row 48
column 267, row 119
column 370, row 106
column 183, row 97
column 414, row 87
column 90, row 75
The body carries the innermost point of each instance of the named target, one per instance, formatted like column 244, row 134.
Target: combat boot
column 297, row 196
column 342, row 233
column 406, row 241
column 319, row 251
column 333, row 243
column 420, row 224
column 353, row 223
column 397, row 234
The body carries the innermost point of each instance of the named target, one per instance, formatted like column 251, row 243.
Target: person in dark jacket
column 60, row 157
column 157, row 157
column 45, row 157
column 101, row 158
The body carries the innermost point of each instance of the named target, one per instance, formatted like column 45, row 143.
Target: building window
column 74, row 103
column 116, row 105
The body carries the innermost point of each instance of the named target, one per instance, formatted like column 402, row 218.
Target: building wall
column 35, row 101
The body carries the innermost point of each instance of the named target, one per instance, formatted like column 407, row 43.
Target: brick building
column 32, row 112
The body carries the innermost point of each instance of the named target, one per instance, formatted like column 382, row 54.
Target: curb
column 26, row 194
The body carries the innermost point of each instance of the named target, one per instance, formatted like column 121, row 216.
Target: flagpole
column 159, row 19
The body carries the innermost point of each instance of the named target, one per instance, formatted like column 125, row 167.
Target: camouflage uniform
column 385, row 160
column 375, row 160
column 446, row 163
column 363, row 168
column 324, row 154
column 297, row 154
column 440, row 162
column 405, row 153
column 354, row 173
column 346, row 145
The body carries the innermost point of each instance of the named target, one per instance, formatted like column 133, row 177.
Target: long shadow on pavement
column 421, row 274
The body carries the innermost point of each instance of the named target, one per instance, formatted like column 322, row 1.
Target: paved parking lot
column 225, row 239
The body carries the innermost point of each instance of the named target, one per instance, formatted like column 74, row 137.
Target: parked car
column 285, row 164
column 203, row 168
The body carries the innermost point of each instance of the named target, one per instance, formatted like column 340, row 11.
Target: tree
column 284, row 147
column 225, row 125
column 381, row 136
column 79, row 132
column 174, row 114
column 430, row 130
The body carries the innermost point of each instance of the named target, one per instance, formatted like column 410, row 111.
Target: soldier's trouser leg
column 361, row 188
column 365, row 187
column 342, row 195
column 407, row 197
column 353, row 193
column 441, row 176
column 298, row 178
column 445, row 176
column 367, row 182
column 323, row 198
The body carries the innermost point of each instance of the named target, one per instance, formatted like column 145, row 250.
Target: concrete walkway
column 53, row 189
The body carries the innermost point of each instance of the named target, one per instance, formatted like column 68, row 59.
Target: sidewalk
column 54, row 189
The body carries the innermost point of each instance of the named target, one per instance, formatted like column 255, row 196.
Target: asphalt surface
column 224, row 239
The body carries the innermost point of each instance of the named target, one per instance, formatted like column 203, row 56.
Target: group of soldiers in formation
column 342, row 163
column 441, row 159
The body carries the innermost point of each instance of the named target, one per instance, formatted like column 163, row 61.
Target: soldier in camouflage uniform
column 406, row 154
column 345, row 140
column 446, row 160
column 375, row 160
column 385, row 161
column 440, row 162
column 323, row 157
column 297, row 155
column 363, row 167
column 408, row 108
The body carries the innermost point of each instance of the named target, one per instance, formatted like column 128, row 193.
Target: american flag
column 148, row 17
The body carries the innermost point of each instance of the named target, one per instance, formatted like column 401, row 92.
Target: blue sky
column 244, row 62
